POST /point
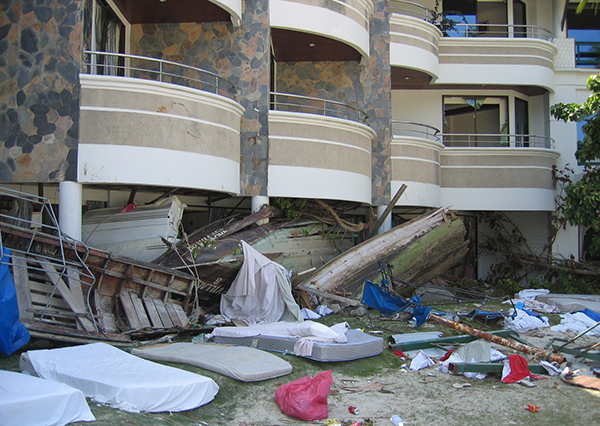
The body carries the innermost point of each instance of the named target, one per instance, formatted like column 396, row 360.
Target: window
column 477, row 18
column 475, row 120
column 585, row 29
column 108, row 36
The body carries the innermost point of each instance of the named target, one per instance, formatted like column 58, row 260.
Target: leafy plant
column 441, row 20
column 581, row 202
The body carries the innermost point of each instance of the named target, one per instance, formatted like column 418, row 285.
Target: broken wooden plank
column 152, row 313
column 21, row 278
column 74, row 303
column 351, row 302
column 177, row 311
column 162, row 312
column 540, row 353
column 139, row 310
column 129, row 310
column 387, row 211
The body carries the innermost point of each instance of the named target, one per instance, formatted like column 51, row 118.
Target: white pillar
column 257, row 202
column 70, row 200
column 558, row 8
column 387, row 224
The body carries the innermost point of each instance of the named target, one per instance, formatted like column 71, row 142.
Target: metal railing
column 419, row 130
column 411, row 9
column 499, row 30
column 587, row 53
column 143, row 67
column 489, row 140
column 310, row 105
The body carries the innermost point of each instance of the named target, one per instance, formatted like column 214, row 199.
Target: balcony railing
column 310, row 105
column 122, row 65
column 480, row 140
column 410, row 129
column 411, row 9
column 587, row 53
column 499, row 30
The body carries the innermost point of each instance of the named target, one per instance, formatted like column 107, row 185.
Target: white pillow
column 314, row 329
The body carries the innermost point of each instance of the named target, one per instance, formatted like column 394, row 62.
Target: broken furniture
column 111, row 376
column 240, row 363
column 31, row 401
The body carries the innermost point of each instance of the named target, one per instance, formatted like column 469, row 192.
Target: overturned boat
column 418, row 250
column 69, row 292
column 214, row 256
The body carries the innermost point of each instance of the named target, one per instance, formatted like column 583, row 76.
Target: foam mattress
column 30, row 401
column 359, row 345
column 111, row 376
column 240, row 363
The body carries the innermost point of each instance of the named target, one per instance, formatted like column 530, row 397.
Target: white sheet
column 30, row 401
column 111, row 376
column 261, row 292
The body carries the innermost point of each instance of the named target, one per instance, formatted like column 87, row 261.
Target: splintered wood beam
column 351, row 302
column 539, row 353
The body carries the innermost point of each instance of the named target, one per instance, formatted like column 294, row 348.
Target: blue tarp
column 377, row 298
column 13, row 334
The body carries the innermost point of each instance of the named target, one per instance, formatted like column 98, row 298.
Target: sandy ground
column 429, row 397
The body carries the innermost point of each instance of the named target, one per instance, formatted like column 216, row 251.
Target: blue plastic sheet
column 377, row 298
column 13, row 334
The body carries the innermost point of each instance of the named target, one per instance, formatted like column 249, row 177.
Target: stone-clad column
column 378, row 104
column 40, row 53
column 253, row 86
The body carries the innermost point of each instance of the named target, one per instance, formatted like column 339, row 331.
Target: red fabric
column 447, row 355
column 519, row 369
column 129, row 207
column 399, row 353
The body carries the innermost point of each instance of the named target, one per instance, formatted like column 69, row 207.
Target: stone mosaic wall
column 240, row 54
column 365, row 85
column 40, row 52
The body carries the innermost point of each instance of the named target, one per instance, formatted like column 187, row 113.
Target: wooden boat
column 301, row 246
column 418, row 250
column 69, row 292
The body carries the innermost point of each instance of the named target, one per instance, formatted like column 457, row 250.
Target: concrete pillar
column 558, row 9
column 387, row 224
column 70, row 200
column 257, row 202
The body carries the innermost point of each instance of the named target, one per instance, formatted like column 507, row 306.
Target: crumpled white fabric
column 304, row 346
column 421, row 361
column 523, row 322
column 530, row 293
column 536, row 306
column 261, row 293
column 308, row 314
column 576, row 322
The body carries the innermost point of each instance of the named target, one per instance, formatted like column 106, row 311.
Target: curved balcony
column 318, row 149
column 414, row 40
column 505, row 172
column 416, row 150
column 485, row 140
column 147, row 121
column 346, row 22
column 520, row 55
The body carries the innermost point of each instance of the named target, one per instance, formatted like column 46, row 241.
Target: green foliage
column 292, row 208
column 580, row 205
column 441, row 20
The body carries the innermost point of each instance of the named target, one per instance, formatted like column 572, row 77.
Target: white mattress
column 244, row 364
column 356, row 344
column 30, row 401
column 111, row 376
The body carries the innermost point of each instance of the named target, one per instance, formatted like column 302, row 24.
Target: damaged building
column 225, row 105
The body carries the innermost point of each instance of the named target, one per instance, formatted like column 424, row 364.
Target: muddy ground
column 381, row 388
